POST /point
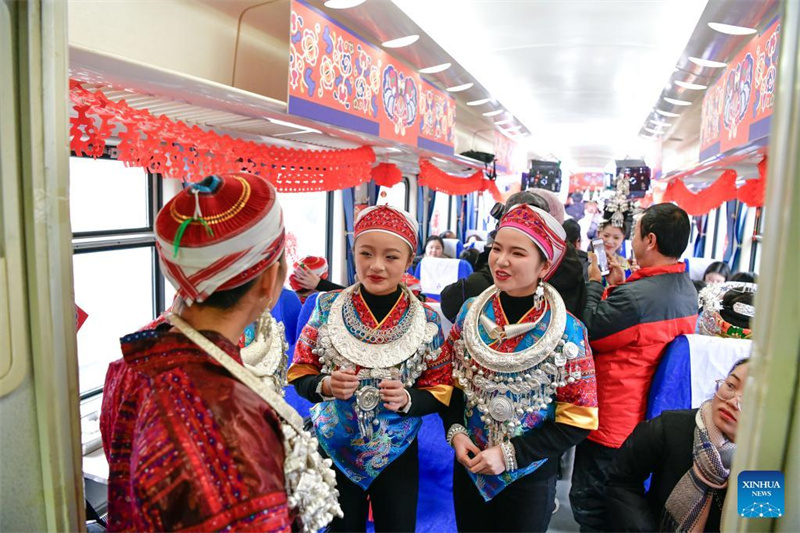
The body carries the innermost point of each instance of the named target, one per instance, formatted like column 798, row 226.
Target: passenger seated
column 471, row 256
column 717, row 272
column 453, row 248
column 744, row 277
column 689, row 454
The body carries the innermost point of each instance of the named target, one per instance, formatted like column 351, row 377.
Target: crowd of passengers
column 545, row 354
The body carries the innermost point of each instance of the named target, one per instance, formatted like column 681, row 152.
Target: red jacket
column 629, row 327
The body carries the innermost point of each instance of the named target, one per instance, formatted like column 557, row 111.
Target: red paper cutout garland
column 719, row 192
column 190, row 153
column 438, row 180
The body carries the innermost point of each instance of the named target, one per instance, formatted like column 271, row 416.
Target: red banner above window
column 737, row 108
column 338, row 78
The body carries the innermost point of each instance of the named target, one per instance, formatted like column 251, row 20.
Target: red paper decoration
column 722, row 190
column 387, row 175
column 438, row 180
column 190, row 153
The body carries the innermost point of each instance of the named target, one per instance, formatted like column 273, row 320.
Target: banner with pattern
column 338, row 78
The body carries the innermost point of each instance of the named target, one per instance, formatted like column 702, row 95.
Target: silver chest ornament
column 505, row 387
column 402, row 353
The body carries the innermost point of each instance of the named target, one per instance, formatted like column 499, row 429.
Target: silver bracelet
column 509, row 456
column 454, row 430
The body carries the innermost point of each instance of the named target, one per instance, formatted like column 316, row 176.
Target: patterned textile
column 335, row 421
column 690, row 501
column 387, row 219
column 219, row 234
column 189, row 447
column 545, row 232
column 574, row 404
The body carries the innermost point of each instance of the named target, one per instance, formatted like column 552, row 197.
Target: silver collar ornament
column 266, row 356
column 505, row 387
column 344, row 342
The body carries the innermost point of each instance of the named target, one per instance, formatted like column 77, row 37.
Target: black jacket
column 567, row 280
column 661, row 446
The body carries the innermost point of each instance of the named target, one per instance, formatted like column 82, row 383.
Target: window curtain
column 700, row 243
column 424, row 221
column 372, row 193
column 741, row 220
column 349, row 200
column 731, row 208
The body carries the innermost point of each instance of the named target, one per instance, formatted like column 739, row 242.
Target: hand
column 463, row 446
column 305, row 278
column 489, row 462
column 341, row 385
column 616, row 274
column 393, row 394
column 594, row 270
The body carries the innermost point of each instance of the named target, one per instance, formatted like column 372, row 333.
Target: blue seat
column 464, row 270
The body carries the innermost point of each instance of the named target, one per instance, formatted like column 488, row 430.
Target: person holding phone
column 524, row 382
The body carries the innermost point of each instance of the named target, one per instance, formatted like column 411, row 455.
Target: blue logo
column 761, row 494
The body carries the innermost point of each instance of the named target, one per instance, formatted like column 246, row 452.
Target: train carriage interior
column 443, row 109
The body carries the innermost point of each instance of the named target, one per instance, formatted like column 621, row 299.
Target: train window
column 107, row 196
column 395, row 196
column 115, row 288
column 441, row 213
column 305, row 216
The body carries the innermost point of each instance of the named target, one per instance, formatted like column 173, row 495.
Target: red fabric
column 189, row 447
column 190, row 153
column 386, row 175
column 317, row 265
column 722, row 190
column 80, row 317
column 626, row 361
column 438, row 180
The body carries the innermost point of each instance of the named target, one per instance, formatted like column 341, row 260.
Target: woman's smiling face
column 516, row 263
column 381, row 261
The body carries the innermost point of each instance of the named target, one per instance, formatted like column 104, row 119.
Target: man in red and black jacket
column 629, row 325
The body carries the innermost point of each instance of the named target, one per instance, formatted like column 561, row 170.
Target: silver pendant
column 368, row 398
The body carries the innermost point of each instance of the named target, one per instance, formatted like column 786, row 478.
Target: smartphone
column 599, row 250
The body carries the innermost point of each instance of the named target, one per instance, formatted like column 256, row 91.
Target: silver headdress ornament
column 617, row 205
column 710, row 300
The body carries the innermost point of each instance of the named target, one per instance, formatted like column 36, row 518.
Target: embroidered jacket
column 542, row 433
column 335, row 422
column 189, row 447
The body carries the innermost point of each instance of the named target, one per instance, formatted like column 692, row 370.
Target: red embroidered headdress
column 219, row 234
column 543, row 230
column 317, row 265
column 389, row 220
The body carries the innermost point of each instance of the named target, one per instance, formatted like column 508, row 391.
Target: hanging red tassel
column 722, row 190
column 386, row 174
column 176, row 150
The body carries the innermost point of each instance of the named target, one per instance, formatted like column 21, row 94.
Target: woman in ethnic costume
column 193, row 438
column 370, row 359
column 524, row 382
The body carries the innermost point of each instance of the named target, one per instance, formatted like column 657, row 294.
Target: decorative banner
column 176, row 150
column 432, row 177
column 338, row 78
column 509, row 156
column 737, row 109
column 722, row 190
column 586, row 181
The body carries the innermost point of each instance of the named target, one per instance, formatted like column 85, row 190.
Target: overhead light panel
column 707, row 62
column 436, row 68
column 493, row 113
column 506, row 121
column 459, row 88
column 304, row 129
column 343, row 4
column 659, row 123
column 402, row 41
column 690, row 86
column 729, row 29
column 479, row 102
column 654, row 132
column 673, row 101
column 667, row 113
